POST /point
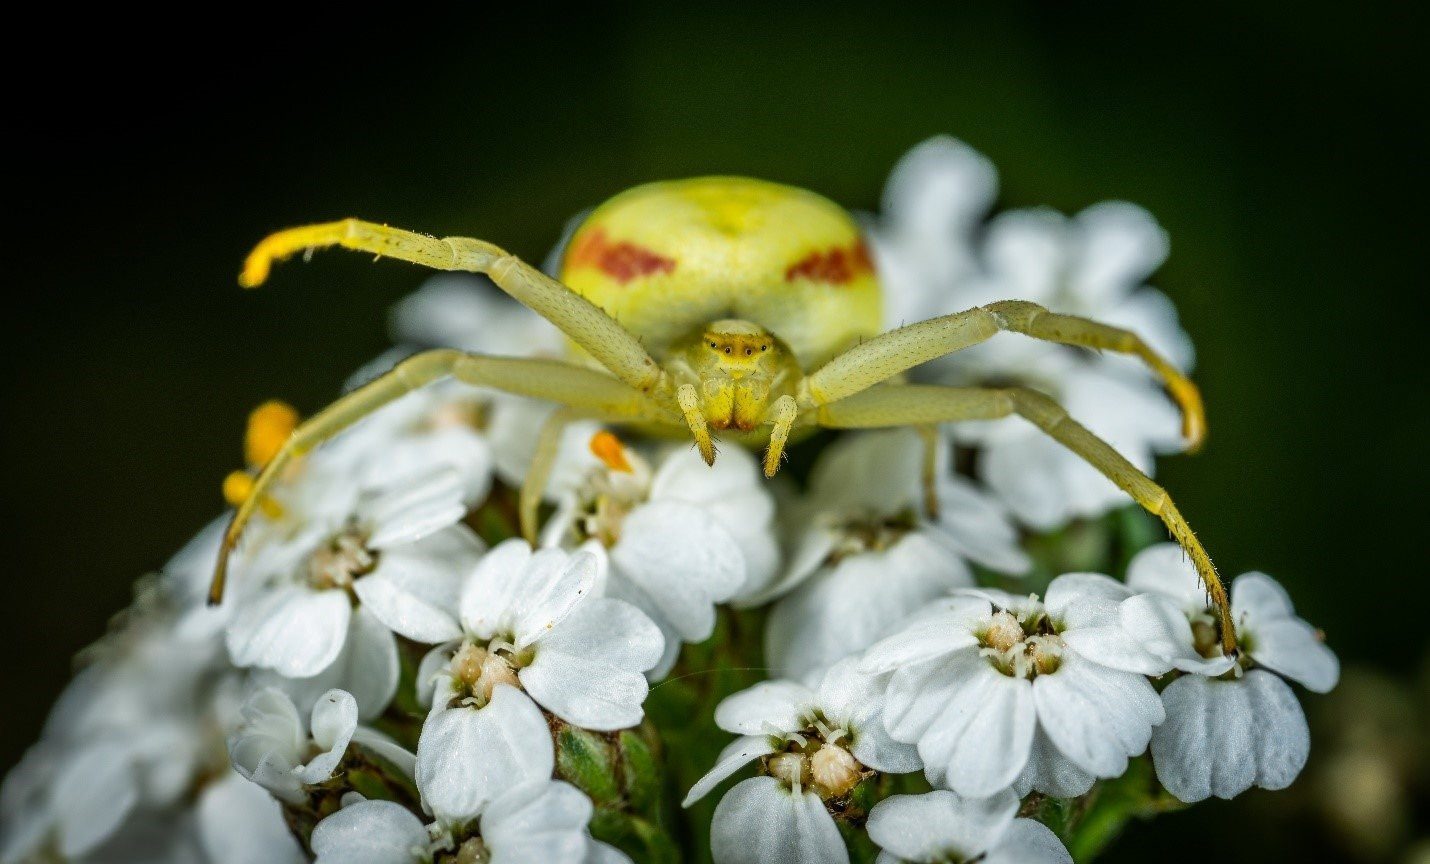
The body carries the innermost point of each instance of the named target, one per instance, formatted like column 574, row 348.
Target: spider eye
column 749, row 351
column 727, row 349
column 764, row 347
column 713, row 345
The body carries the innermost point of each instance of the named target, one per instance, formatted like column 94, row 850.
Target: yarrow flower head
column 997, row 689
column 1230, row 724
column 814, row 747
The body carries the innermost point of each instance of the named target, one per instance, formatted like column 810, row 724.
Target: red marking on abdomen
column 621, row 261
column 836, row 265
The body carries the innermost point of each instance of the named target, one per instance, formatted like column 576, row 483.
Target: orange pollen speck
column 609, row 450
column 269, row 427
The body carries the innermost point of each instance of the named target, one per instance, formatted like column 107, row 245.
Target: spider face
column 737, row 368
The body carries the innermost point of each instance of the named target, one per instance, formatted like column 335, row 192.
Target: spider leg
column 577, row 317
column 929, row 474
column 584, row 389
column 782, row 416
column 914, row 404
column 548, row 444
column 688, row 399
column 885, row 356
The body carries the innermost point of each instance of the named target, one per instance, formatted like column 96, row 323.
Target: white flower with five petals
column 998, row 690
column 533, row 635
column 813, row 745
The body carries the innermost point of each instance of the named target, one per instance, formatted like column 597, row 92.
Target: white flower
column 813, row 746
column 998, row 690
column 942, row 828
column 866, row 554
column 1226, row 729
column 239, row 823
column 126, row 740
column 273, row 749
column 533, row 631
column 540, row 822
column 1094, row 264
column 934, row 200
column 400, row 552
column 679, row 540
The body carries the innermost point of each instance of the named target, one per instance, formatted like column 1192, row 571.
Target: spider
column 730, row 305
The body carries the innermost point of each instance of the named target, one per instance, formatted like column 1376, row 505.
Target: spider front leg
column 889, row 354
column 585, row 390
column 577, row 317
column 914, row 404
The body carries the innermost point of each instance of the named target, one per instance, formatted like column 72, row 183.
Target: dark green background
column 1278, row 145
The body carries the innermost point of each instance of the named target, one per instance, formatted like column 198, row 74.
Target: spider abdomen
column 665, row 259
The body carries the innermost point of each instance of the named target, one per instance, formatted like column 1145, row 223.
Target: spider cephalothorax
column 727, row 304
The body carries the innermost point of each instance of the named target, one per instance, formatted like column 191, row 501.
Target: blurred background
column 1276, row 143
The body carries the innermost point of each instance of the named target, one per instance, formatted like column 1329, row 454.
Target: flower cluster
column 394, row 677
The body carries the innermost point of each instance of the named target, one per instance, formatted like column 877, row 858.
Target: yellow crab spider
column 728, row 305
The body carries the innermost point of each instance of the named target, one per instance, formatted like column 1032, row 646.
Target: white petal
column 1283, row 740
column 1165, row 569
column 414, row 507
column 731, row 491
column 756, row 710
column 531, row 601
column 848, row 608
column 367, row 668
column 854, row 700
column 369, row 832
column 96, row 791
column 1096, row 716
column 1052, row 773
column 1293, row 648
column 977, row 527
column 293, row 630
column 1222, row 736
column 537, row 822
column 931, row 826
column 490, row 594
column 1156, row 623
column 380, row 745
column 683, row 561
column 735, row 756
column 1120, row 244
column 980, row 742
column 334, row 720
column 587, row 671
column 239, row 823
column 465, row 756
column 944, row 627
column 1028, row 842
column 1278, row 639
column 759, row 821
column 415, row 587
column 604, row 853
column 918, row 692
